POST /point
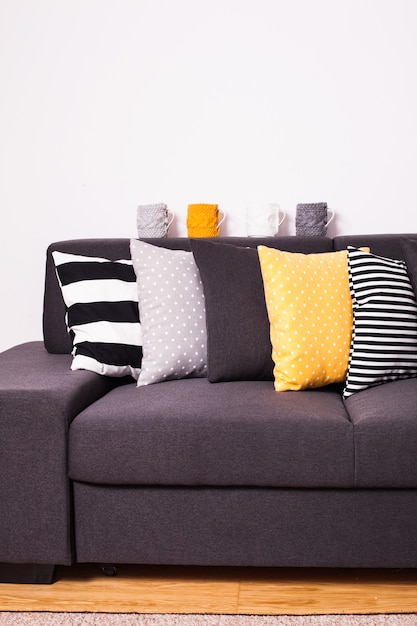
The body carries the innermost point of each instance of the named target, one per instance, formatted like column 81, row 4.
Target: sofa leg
column 26, row 573
column 109, row 570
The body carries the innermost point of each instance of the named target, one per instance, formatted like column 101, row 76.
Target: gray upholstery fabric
column 409, row 249
column 246, row 526
column 385, row 430
column 383, row 245
column 191, row 432
column 39, row 396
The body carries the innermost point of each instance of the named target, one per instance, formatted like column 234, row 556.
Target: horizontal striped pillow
column 384, row 338
column 102, row 313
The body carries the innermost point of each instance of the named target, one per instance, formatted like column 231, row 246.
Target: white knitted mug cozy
column 263, row 219
column 153, row 220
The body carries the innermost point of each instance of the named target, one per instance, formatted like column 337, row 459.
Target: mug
column 313, row 219
column 153, row 220
column 263, row 219
column 203, row 220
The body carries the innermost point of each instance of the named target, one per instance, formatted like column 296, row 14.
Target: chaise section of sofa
column 39, row 397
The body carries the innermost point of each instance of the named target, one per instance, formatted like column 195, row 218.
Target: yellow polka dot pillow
column 311, row 317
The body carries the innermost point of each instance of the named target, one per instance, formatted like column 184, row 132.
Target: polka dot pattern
column 172, row 313
column 310, row 312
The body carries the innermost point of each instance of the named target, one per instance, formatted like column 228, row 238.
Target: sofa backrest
column 382, row 245
column 56, row 337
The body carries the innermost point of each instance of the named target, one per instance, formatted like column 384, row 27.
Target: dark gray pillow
column 238, row 330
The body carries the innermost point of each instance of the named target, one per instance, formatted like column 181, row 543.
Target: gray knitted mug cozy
column 311, row 219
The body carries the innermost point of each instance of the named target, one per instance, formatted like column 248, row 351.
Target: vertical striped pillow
column 102, row 313
column 384, row 338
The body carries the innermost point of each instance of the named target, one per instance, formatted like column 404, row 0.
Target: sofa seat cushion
column 191, row 432
column 385, row 430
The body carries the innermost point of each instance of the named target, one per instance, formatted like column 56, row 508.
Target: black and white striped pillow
column 102, row 313
column 384, row 337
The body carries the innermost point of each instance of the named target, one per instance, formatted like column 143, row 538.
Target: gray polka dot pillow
column 172, row 313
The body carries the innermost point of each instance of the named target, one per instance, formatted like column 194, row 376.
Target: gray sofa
column 94, row 469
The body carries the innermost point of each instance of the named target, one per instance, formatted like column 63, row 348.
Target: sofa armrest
column 39, row 397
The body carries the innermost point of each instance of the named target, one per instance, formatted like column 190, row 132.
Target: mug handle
column 171, row 216
column 278, row 221
column 222, row 219
column 331, row 217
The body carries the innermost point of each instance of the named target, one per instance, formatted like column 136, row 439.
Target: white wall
column 107, row 104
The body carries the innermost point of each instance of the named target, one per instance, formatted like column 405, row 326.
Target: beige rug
column 133, row 619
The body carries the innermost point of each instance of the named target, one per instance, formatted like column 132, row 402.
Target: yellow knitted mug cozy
column 203, row 220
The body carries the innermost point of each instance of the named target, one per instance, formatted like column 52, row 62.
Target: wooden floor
column 154, row 589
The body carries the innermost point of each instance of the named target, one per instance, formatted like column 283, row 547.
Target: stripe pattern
column 384, row 337
column 102, row 313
